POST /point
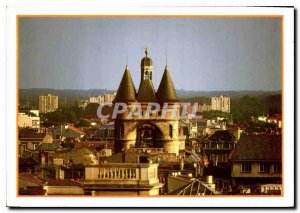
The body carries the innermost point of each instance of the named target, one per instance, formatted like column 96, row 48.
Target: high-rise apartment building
column 48, row 103
column 106, row 98
column 221, row 103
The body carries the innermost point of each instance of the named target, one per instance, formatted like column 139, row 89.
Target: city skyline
column 78, row 53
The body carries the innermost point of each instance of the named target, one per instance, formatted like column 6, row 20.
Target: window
column 246, row 167
column 146, row 75
column 277, row 167
column 171, row 131
column 23, row 146
column 219, row 146
column 264, row 167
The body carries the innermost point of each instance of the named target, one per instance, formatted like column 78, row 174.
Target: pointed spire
column 146, row 92
column 166, row 91
column 126, row 91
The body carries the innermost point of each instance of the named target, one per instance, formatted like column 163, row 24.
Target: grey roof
column 194, row 187
column 166, row 91
column 146, row 92
column 126, row 91
column 258, row 148
column 221, row 136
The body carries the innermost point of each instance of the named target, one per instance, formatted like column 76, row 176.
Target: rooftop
column 258, row 147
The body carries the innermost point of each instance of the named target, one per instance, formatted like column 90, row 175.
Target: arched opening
column 146, row 75
column 146, row 136
column 171, row 131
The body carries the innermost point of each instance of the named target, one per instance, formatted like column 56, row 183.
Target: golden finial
column 146, row 51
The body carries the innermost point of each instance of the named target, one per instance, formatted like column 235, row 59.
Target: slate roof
column 166, row 90
column 221, row 135
column 126, row 91
column 195, row 187
column 258, row 148
column 146, row 92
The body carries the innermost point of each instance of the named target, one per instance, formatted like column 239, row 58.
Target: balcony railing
column 117, row 173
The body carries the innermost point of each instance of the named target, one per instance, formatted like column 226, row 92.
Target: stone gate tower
column 154, row 130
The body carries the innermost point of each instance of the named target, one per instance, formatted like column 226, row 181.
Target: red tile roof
column 60, row 182
column 72, row 128
column 29, row 177
column 275, row 117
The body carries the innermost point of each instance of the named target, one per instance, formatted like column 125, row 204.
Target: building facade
column 101, row 99
column 221, row 103
column 256, row 161
column 25, row 120
column 153, row 130
column 48, row 103
column 218, row 146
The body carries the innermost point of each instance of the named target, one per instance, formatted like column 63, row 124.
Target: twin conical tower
column 146, row 93
column 152, row 131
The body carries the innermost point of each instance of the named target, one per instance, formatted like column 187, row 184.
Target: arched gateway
column 155, row 130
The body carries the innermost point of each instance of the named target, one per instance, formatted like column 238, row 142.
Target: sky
column 202, row 54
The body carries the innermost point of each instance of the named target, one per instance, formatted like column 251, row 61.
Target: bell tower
column 146, row 67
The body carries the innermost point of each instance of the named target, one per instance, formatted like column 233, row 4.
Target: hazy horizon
column 203, row 54
column 175, row 88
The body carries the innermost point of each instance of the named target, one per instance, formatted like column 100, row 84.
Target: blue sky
column 204, row 54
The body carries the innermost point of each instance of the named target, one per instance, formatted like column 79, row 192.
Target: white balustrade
column 117, row 173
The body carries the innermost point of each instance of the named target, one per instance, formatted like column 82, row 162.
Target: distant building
column 28, row 142
column 67, row 131
column 25, row 120
column 221, row 103
column 35, row 112
column 275, row 119
column 205, row 107
column 106, row 98
column 48, row 103
column 107, row 131
column 83, row 103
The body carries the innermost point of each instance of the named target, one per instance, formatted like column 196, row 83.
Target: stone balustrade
column 120, row 173
column 148, row 150
column 117, row 173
